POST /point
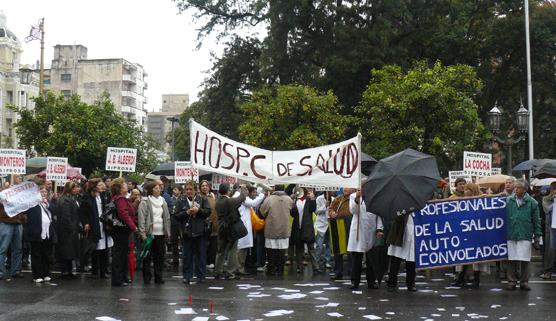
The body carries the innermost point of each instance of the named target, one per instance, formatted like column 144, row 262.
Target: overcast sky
column 148, row 32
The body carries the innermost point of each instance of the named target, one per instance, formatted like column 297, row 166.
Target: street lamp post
column 174, row 120
column 494, row 118
column 37, row 33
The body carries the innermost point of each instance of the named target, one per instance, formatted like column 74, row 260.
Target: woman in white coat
column 365, row 228
column 253, row 201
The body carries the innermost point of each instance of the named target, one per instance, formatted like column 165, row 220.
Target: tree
column 428, row 109
column 67, row 127
column 292, row 117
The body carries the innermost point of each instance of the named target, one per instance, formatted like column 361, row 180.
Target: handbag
column 110, row 219
column 256, row 222
column 238, row 230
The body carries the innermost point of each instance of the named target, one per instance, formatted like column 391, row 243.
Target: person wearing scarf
column 154, row 218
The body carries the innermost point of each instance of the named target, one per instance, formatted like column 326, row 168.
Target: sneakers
column 47, row 279
column 210, row 266
column 39, row 280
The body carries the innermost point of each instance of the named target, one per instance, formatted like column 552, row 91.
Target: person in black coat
column 92, row 207
column 41, row 233
column 68, row 229
column 192, row 211
column 303, row 231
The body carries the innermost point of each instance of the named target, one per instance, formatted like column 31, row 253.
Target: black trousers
column 40, row 258
column 395, row 263
column 100, row 262
column 156, row 255
column 86, row 249
column 276, row 261
column 175, row 240
column 66, row 266
column 120, row 253
column 212, row 248
column 357, row 263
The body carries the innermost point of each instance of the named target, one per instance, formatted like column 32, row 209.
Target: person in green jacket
column 523, row 222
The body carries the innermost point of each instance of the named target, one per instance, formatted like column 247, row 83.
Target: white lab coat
column 367, row 224
column 407, row 251
column 245, row 211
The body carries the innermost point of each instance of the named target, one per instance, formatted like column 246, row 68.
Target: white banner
column 453, row 175
column 330, row 165
column 218, row 179
column 12, row 161
column 121, row 159
column 20, row 198
column 57, row 169
column 477, row 164
column 183, row 172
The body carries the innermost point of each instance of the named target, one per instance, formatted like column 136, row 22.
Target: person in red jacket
column 128, row 215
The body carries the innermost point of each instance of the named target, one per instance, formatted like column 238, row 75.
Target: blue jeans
column 10, row 237
column 194, row 257
column 322, row 249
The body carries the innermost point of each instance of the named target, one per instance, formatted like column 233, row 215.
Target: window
column 10, row 97
column 66, row 93
column 65, row 77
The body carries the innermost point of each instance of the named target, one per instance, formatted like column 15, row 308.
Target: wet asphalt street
column 300, row 297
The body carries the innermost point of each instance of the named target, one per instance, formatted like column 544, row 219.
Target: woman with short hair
column 154, row 218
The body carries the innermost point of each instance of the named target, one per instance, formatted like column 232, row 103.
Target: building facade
column 159, row 124
column 174, row 103
column 18, row 84
column 124, row 82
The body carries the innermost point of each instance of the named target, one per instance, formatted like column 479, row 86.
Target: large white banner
column 20, row 198
column 477, row 164
column 121, row 159
column 331, row 165
column 57, row 169
column 12, row 161
column 183, row 172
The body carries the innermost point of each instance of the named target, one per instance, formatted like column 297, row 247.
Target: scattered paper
column 316, row 292
column 332, row 288
column 448, row 295
column 185, row 311
column 311, row 284
column 496, row 290
column 372, row 317
column 221, row 318
column 216, row 288
column 172, row 303
column 126, row 300
column 425, row 291
column 335, row 314
column 277, row 313
column 532, row 304
column 292, row 296
column 328, row 305
column 455, row 315
column 357, row 292
column 361, row 308
column 258, row 295
column 200, row 319
column 106, row 319
column 452, row 287
column 440, row 309
column 321, row 298
column 384, row 300
column 391, row 313
column 494, row 306
column 291, row 291
column 460, row 308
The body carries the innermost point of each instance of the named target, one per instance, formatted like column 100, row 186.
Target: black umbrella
column 530, row 164
column 165, row 169
column 403, row 181
column 367, row 164
column 545, row 170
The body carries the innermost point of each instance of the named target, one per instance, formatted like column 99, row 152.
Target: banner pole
column 360, row 187
column 121, row 174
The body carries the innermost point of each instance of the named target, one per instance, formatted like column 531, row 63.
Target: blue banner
column 462, row 231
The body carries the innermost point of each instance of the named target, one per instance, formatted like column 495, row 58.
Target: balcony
column 129, row 94
column 128, row 78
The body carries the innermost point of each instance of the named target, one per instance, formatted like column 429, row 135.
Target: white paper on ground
column 316, row 292
column 200, row 319
column 123, row 299
column 277, row 313
column 452, row 287
column 361, row 308
column 105, row 318
column 460, row 308
column 357, row 292
column 440, row 309
column 391, row 313
column 384, row 300
column 185, row 311
column 448, row 295
column 532, row 304
column 292, row 296
column 328, row 305
column 494, row 306
column 496, row 290
column 292, row 291
column 312, row 284
column 172, row 303
column 332, row 288
column 372, row 317
column 258, row 295
column 321, row 298
column 221, row 318
column 335, row 314
column 455, row 315
column 216, row 288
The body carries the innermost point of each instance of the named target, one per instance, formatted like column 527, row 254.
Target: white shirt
column 156, row 206
column 300, row 204
column 45, row 223
column 321, row 222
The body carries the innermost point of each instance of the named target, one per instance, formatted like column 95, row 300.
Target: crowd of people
column 242, row 229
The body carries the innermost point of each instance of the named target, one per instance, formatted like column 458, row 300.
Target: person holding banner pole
column 303, row 231
column 339, row 224
column 401, row 240
column 523, row 223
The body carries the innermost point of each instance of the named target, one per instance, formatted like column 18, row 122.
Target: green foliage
column 428, row 109
column 292, row 117
column 82, row 132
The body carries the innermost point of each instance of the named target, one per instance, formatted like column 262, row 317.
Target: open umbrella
column 493, row 181
column 530, row 164
column 543, row 182
column 165, row 169
column 367, row 164
column 403, row 181
column 545, row 170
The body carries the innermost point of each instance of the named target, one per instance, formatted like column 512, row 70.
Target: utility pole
column 529, row 82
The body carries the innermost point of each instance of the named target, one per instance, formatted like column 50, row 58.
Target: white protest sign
column 57, row 169
column 218, row 179
column 121, row 159
column 453, row 175
column 12, row 161
column 477, row 164
column 183, row 172
column 331, row 165
column 496, row 171
column 20, row 198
